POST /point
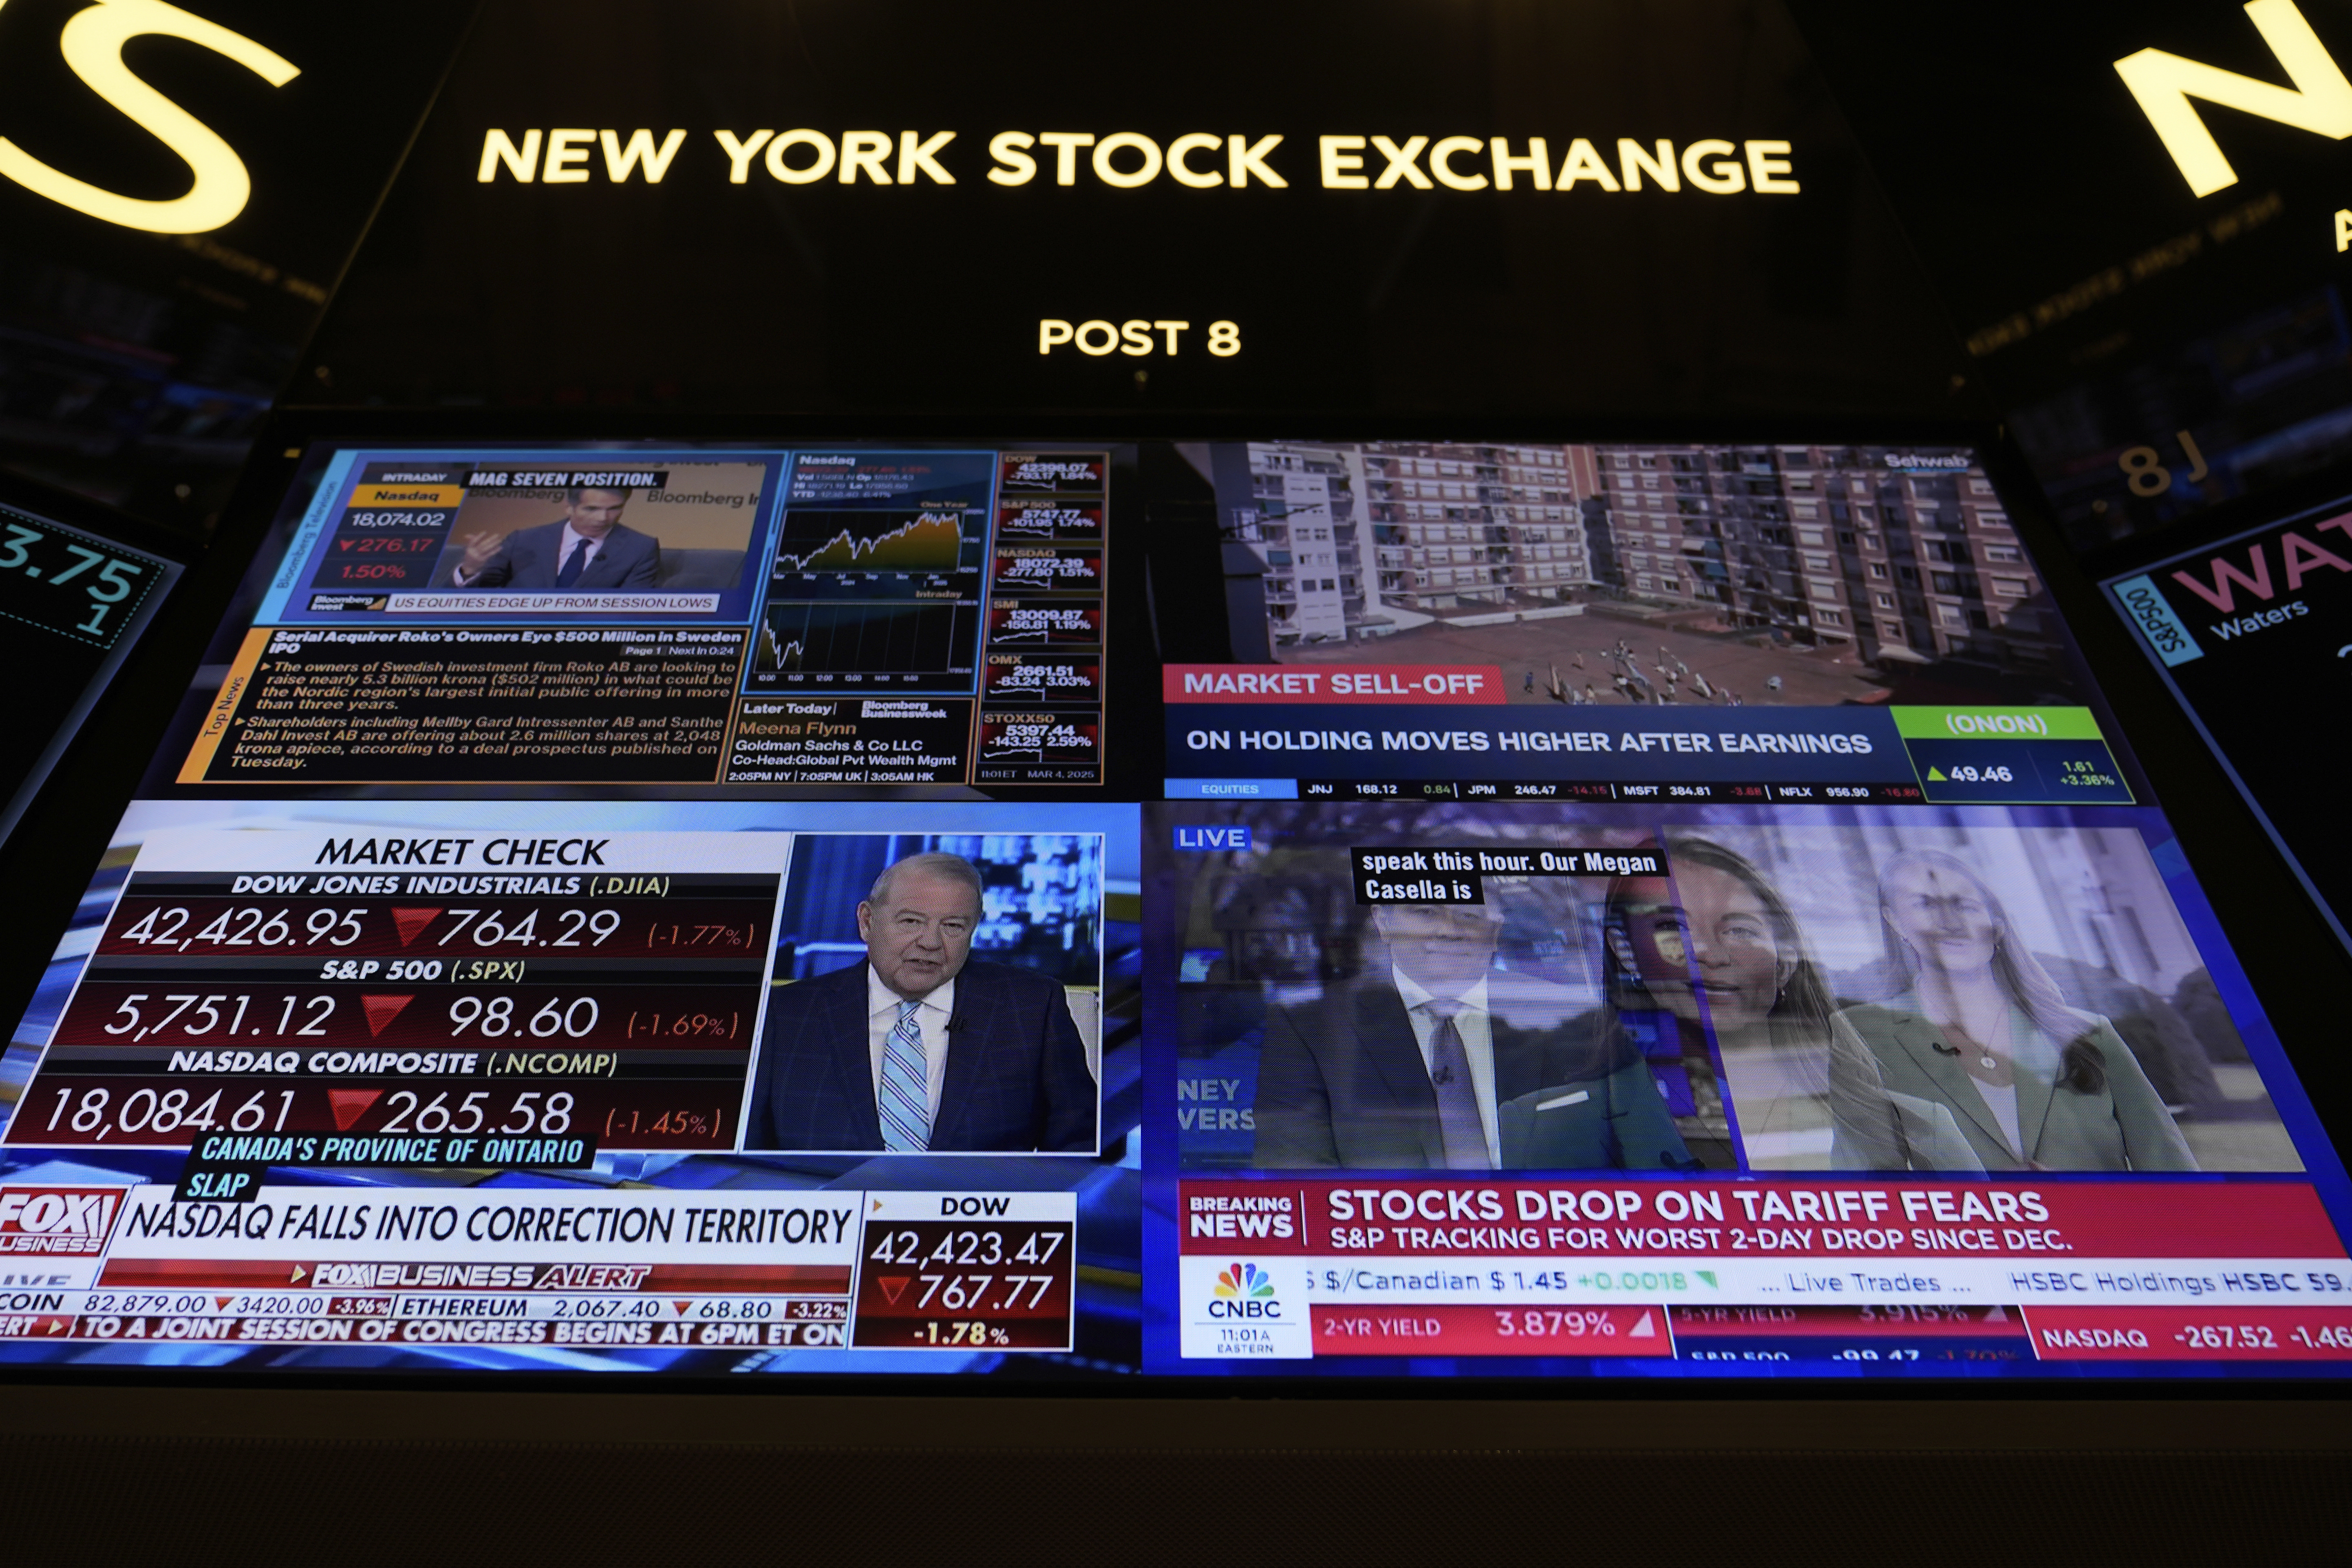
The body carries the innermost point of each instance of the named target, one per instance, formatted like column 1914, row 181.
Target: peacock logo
column 1243, row 1290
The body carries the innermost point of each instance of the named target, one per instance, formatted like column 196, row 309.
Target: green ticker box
column 1996, row 724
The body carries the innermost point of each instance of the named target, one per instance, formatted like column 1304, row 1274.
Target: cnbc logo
column 1243, row 1290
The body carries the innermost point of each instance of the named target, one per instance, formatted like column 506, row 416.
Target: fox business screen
column 1481, row 909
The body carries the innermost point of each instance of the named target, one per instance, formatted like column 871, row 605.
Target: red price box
column 387, row 1120
column 967, row 1271
column 158, row 921
column 502, row 995
column 1450, row 1329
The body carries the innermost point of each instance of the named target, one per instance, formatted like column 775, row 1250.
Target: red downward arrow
column 383, row 1010
column 349, row 1104
column 682, row 1306
column 223, row 1302
column 410, row 922
column 343, row 544
column 892, row 1286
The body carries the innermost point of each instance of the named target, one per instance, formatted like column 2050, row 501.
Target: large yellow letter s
column 92, row 44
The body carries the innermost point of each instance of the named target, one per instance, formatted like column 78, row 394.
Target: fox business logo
column 91, row 43
column 1243, row 1290
column 70, row 1220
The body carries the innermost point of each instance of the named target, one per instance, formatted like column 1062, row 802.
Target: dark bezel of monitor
column 181, row 549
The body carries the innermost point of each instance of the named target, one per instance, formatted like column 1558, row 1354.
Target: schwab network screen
column 1622, row 909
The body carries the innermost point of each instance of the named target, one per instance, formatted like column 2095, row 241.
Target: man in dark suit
column 588, row 548
column 1410, row 1067
column 919, row 1049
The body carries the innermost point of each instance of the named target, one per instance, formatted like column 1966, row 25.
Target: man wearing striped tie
column 1417, row 1065
column 922, row 1049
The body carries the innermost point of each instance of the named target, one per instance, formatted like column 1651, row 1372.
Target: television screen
column 75, row 598
column 1480, row 910
column 2245, row 632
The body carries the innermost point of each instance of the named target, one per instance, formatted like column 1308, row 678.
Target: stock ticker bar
column 596, row 1270
column 1853, row 755
column 1859, row 1271
column 301, row 998
column 1563, row 790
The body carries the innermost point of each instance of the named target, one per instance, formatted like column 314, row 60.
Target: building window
column 1884, row 601
column 2009, row 586
column 1878, row 570
column 1950, row 615
column 2000, row 552
column 1829, row 618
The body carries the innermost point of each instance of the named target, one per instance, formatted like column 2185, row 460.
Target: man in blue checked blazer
column 919, row 1049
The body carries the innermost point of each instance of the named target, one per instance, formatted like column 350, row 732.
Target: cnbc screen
column 1069, row 910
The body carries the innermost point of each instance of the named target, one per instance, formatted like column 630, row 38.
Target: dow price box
column 966, row 1272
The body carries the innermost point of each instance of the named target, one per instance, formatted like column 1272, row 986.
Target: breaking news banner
column 2146, row 1271
column 309, row 1266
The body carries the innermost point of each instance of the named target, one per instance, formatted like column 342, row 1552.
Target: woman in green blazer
column 1981, row 1028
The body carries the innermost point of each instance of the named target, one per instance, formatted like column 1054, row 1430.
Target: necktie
column 905, row 1100
column 573, row 566
column 1458, row 1101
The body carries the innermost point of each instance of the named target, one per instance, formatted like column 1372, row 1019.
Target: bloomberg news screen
column 1604, row 909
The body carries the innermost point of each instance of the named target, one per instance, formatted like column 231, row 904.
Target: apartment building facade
column 1363, row 540
column 1904, row 555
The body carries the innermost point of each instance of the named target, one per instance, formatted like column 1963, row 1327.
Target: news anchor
column 586, row 549
column 922, row 1049
column 1980, row 1028
column 1410, row 1066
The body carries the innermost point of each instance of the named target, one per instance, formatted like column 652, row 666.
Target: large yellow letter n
column 92, row 44
column 2320, row 100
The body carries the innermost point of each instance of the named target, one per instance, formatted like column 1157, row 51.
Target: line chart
column 870, row 540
